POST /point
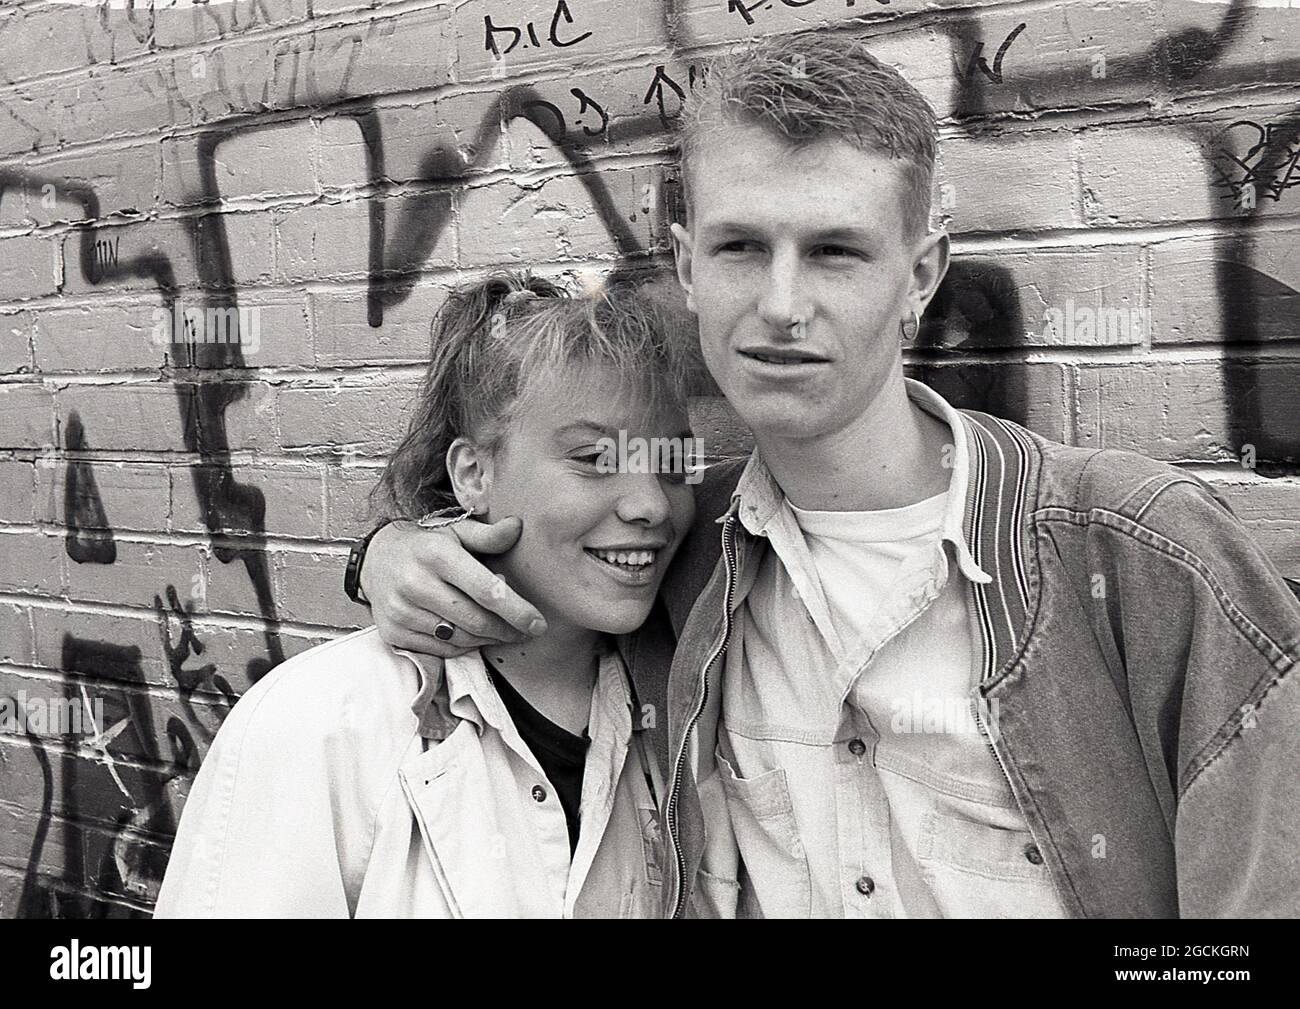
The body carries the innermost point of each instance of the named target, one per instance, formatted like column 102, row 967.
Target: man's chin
column 785, row 418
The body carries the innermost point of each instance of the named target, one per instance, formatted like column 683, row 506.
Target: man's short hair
column 815, row 86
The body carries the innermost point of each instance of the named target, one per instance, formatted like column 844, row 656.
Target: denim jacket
column 1137, row 647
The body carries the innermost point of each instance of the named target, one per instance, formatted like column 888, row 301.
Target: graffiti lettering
column 491, row 31
column 1269, row 167
column 977, row 61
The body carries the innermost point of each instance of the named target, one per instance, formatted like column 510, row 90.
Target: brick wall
column 174, row 516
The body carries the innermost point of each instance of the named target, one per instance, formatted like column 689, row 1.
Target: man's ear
column 683, row 255
column 470, row 470
column 929, row 265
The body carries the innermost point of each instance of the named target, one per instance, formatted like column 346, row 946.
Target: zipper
column 988, row 741
column 729, row 560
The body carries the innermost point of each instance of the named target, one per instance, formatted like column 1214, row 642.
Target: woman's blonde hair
column 491, row 340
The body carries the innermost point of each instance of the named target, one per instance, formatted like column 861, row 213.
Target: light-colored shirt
column 857, row 779
column 355, row 780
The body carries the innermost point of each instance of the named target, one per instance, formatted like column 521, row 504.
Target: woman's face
column 599, row 530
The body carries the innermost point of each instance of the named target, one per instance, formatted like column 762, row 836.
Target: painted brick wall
column 174, row 516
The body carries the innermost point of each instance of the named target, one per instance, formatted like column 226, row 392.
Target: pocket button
column 1032, row 853
column 866, row 886
column 857, row 747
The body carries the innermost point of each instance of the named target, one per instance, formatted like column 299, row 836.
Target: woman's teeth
column 626, row 558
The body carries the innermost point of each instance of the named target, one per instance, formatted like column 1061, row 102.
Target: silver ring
column 444, row 630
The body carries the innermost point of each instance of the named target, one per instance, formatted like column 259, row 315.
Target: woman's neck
column 555, row 673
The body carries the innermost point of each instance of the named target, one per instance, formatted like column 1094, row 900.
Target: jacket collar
column 451, row 691
column 459, row 689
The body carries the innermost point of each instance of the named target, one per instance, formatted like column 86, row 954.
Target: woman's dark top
column 563, row 755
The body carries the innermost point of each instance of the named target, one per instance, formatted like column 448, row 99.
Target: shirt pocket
column 977, row 870
column 767, row 835
column 714, row 896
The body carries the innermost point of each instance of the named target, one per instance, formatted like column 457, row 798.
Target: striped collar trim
column 1003, row 476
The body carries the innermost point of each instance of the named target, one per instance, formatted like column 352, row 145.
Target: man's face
column 811, row 236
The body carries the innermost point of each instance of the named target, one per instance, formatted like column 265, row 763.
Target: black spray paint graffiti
column 1254, row 303
column 233, row 514
column 89, row 539
column 747, row 11
column 979, row 297
column 117, row 796
column 1269, row 167
column 491, row 31
column 978, row 62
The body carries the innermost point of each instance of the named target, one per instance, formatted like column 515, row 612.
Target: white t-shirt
column 858, row 554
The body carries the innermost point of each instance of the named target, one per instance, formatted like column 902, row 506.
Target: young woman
column 360, row 780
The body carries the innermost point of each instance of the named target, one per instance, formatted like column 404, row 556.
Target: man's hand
column 416, row 577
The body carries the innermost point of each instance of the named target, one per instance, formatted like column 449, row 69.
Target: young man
column 929, row 663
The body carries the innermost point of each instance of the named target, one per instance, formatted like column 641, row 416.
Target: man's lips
column 783, row 356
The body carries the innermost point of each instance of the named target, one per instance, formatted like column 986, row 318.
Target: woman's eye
column 596, row 459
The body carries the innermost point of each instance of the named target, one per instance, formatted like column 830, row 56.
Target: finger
column 424, row 644
column 436, row 601
column 469, row 641
column 469, row 616
column 488, row 538
column 492, row 595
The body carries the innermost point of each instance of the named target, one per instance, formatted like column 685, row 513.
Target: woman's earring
column 916, row 327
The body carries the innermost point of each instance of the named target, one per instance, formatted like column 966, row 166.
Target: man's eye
column 593, row 458
column 736, row 246
column 837, row 251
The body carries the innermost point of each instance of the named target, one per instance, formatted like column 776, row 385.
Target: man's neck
column 890, row 456
column 554, row 673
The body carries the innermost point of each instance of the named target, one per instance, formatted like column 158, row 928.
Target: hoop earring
column 916, row 327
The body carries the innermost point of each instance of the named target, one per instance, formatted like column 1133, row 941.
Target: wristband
column 357, row 557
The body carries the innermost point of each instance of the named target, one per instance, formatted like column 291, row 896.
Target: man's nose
column 783, row 304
